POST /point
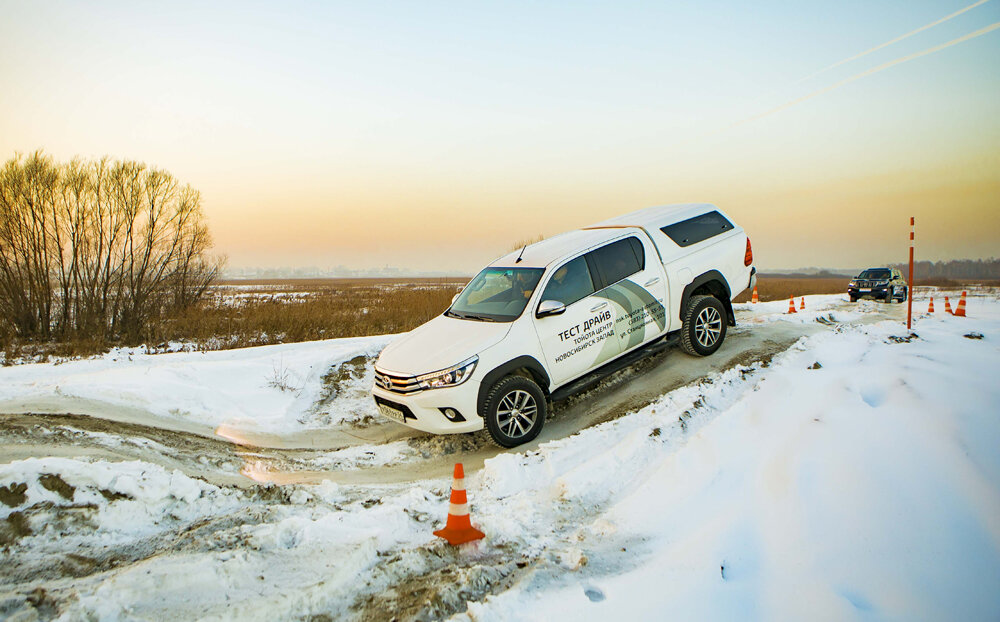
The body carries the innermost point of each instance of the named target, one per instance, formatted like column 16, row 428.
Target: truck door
column 580, row 338
column 635, row 287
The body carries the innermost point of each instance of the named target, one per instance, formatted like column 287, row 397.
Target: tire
column 906, row 294
column 514, row 394
column 890, row 295
column 704, row 327
column 853, row 298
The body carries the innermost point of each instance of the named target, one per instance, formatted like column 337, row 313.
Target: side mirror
column 455, row 297
column 550, row 307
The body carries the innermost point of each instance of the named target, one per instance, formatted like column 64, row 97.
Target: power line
column 866, row 73
column 896, row 40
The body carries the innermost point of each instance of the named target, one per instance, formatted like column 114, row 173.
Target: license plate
column 391, row 413
column 865, row 290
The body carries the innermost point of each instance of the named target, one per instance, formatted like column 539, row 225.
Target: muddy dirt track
column 233, row 457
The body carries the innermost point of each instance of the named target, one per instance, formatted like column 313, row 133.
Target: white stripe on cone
column 458, row 484
column 458, row 509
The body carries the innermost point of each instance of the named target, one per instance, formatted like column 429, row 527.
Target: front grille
column 870, row 284
column 397, row 384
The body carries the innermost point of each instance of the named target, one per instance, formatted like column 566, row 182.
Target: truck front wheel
column 515, row 411
column 704, row 326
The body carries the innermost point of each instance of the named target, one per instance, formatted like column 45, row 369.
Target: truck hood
column 439, row 344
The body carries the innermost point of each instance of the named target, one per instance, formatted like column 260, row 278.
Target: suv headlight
column 451, row 377
column 852, row 284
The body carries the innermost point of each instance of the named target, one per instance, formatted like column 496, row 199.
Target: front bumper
column 423, row 410
column 878, row 293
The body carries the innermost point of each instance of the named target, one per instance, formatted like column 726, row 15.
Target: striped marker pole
column 909, row 286
column 459, row 529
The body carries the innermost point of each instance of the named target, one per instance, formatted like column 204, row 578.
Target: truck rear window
column 697, row 229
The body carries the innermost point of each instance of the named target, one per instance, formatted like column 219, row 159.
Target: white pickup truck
column 537, row 322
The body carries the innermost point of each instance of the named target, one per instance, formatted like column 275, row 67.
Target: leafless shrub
column 281, row 378
column 95, row 249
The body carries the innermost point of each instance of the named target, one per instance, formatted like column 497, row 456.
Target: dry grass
column 526, row 242
column 344, row 310
column 285, row 312
column 320, row 285
column 249, row 313
column 260, row 312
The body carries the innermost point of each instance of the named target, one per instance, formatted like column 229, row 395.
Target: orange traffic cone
column 930, row 307
column 459, row 529
column 791, row 304
column 755, row 299
column 802, row 307
column 960, row 309
column 947, row 305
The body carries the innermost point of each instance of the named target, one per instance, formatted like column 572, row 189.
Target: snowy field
column 854, row 475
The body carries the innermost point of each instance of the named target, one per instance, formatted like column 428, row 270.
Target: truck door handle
column 652, row 281
column 598, row 307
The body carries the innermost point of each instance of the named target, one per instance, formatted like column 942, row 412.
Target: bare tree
column 97, row 249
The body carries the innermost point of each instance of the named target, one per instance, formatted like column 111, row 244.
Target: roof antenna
column 518, row 260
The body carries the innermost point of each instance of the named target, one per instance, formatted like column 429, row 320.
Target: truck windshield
column 496, row 295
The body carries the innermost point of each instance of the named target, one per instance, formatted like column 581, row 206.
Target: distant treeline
column 962, row 269
column 822, row 274
column 97, row 249
column 957, row 269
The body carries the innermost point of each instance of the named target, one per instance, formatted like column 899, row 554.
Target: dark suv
column 885, row 284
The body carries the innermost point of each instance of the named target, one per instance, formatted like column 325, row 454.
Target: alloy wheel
column 516, row 413
column 708, row 327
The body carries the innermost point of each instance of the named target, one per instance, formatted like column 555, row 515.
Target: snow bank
column 272, row 389
column 867, row 486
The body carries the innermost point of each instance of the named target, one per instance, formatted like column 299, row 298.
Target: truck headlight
column 852, row 284
column 451, row 377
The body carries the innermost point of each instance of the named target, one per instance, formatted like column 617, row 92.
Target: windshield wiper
column 468, row 316
column 481, row 318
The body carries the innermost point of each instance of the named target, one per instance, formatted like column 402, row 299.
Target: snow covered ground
column 864, row 487
column 854, row 476
column 277, row 389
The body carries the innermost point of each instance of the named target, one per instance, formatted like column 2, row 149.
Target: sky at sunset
column 434, row 135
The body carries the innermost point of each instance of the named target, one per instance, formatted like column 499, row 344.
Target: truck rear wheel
column 515, row 411
column 704, row 326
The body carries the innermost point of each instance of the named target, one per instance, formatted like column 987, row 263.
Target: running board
column 588, row 381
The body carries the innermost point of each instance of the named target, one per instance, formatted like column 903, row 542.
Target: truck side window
column 697, row 229
column 570, row 282
column 617, row 261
